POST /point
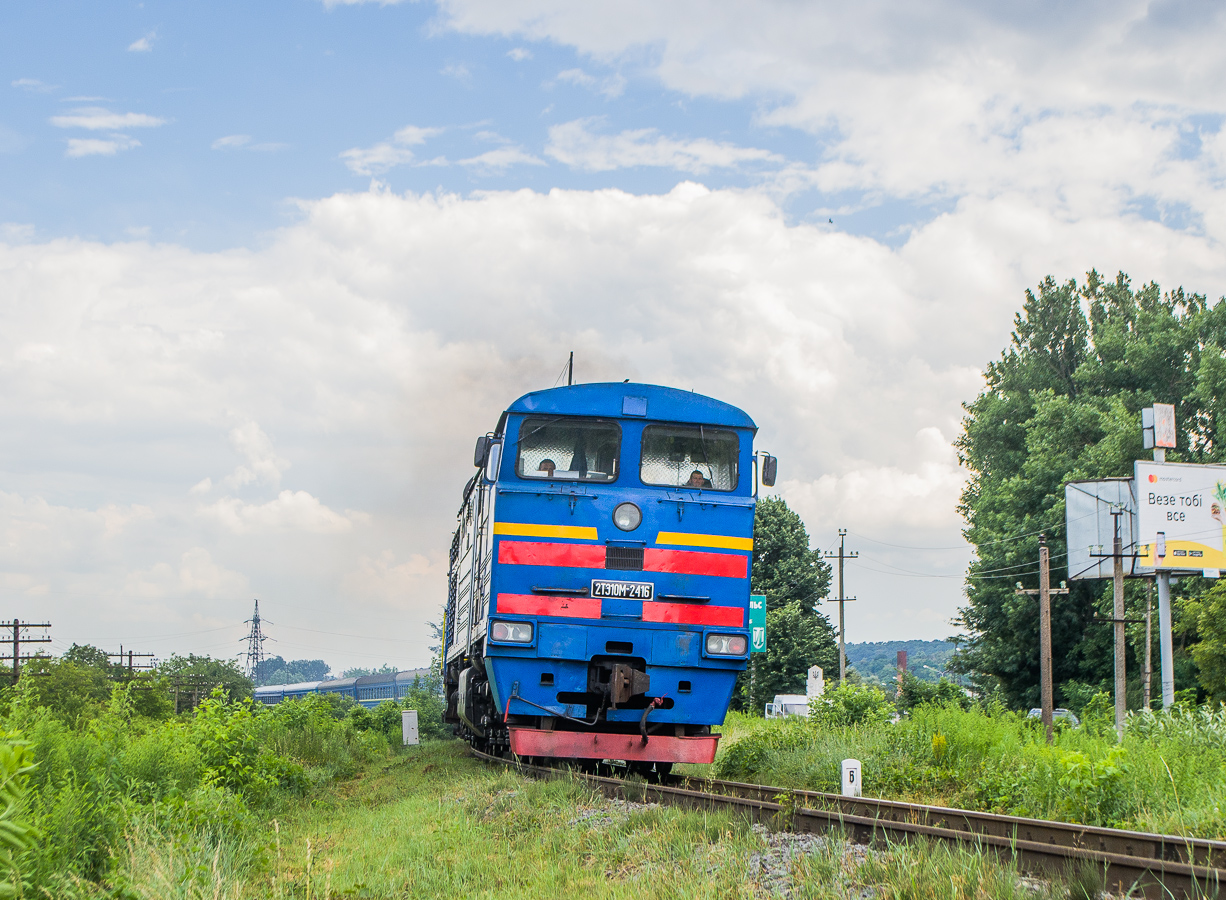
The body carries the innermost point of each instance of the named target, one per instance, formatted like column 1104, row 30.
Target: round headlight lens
column 627, row 516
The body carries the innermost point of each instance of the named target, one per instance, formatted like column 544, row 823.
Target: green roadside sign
column 757, row 623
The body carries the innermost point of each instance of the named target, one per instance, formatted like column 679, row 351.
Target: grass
column 432, row 822
column 1168, row 775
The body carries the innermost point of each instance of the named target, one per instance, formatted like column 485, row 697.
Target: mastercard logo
column 1153, row 478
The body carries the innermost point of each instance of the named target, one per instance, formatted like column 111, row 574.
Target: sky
column 267, row 270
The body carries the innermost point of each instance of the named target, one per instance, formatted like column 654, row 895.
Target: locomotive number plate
column 624, row 590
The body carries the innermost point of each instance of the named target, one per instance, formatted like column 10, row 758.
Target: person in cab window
column 547, row 466
column 697, row 481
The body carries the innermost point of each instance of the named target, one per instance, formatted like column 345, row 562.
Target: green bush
column 178, row 790
column 851, row 704
column 17, row 834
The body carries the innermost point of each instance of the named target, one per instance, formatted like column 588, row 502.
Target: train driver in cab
column 697, row 481
column 547, row 466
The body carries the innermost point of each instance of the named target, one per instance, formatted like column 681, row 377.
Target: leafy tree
column 784, row 568
column 1062, row 403
column 275, row 670
column 199, row 675
column 794, row 578
column 68, row 689
column 915, row 692
column 87, row 655
column 1210, row 652
column 359, row 672
column 851, row 704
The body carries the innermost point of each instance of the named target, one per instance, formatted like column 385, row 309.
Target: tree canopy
column 275, row 670
column 794, row 579
column 1063, row 403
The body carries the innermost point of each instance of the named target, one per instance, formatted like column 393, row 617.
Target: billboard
column 1186, row 505
column 1090, row 526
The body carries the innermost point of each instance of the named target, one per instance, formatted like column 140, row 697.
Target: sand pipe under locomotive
column 598, row 585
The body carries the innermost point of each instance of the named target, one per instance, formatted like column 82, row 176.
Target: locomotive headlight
column 512, row 632
column 727, row 644
column 627, row 516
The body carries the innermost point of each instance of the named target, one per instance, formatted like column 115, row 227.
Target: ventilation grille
column 627, row 559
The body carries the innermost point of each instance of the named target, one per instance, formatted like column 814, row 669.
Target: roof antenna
column 570, row 369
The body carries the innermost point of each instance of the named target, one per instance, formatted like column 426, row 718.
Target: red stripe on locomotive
column 690, row 562
column 688, row 614
column 533, row 553
column 532, row 605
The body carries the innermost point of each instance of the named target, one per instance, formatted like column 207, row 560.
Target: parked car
column 1057, row 713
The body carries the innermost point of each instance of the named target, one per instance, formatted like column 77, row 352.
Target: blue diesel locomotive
column 598, row 586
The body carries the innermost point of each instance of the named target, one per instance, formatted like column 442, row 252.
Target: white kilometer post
column 408, row 727
column 851, row 778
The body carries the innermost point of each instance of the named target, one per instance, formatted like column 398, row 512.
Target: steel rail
column 1159, row 866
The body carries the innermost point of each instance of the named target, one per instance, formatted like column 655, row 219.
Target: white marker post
column 851, row 778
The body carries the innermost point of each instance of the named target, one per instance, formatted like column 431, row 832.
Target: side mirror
column 770, row 468
column 482, row 451
column 493, row 460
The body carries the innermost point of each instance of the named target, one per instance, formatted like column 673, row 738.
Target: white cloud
column 1073, row 108
column 495, row 162
column 144, row 44
column 100, row 147
column 33, row 85
column 574, row 144
column 519, row 54
column 194, row 574
column 379, row 158
column 611, row 86
column 231, row 142
column 262, row 462
column 291, row 511
column 381, row 576
column 458, row 71
column 379, row 335
column 96, row 118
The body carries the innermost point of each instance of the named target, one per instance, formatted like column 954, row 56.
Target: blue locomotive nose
column 599, row 578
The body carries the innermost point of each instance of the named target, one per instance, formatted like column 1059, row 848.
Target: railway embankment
column 433, row 822
column 1168, row 775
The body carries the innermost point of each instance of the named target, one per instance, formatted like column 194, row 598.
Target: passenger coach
column 599, row 577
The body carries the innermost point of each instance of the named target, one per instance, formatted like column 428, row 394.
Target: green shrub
column 851, row 704
column 17, row 834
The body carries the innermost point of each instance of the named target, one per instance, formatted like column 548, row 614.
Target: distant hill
column 877, row 660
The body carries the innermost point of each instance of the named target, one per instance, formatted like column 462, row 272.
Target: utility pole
column 1045, row 634
column 1148, row 675
column 1045, row 661
column 840, row 556
column 255, row 642
column 1158, row 432
column 1118, row 620
column 21, row 635
column 131, row 664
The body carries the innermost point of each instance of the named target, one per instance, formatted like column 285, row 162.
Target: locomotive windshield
column 690, row 456
column 568, row 449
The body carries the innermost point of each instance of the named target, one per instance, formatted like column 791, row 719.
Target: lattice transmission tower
column 255, row 641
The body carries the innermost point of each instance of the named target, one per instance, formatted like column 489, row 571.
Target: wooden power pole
column 841, row 556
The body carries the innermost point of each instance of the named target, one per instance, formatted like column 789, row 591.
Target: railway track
column 1155, row 865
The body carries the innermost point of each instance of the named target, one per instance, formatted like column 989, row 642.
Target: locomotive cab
column 599, row 577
